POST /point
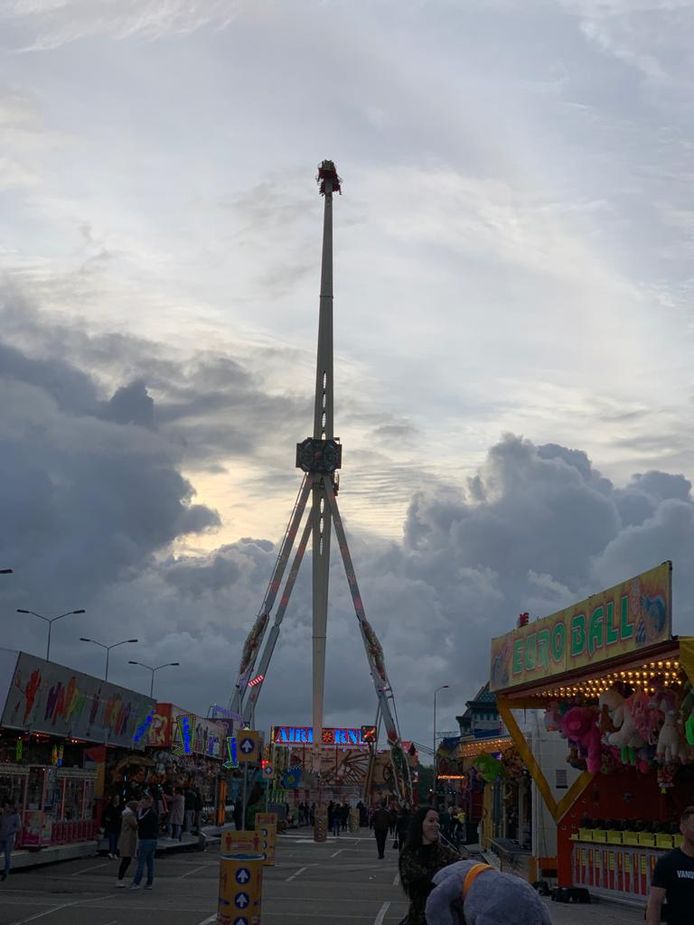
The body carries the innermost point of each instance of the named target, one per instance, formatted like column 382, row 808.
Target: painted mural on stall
column 48, row 698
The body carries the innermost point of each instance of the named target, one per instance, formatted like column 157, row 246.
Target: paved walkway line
column 207, row 921
column 193, row 870
column 85, row 869
column 396, row 879
column 381, row 914
column 296, row 874
column 40, row 915
column 339, row 851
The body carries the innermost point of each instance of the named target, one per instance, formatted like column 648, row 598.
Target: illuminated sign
column 257, row 680
column 232, row 753
column 303, row 735
column 620, row 621
column 143, row 728
column 185, row 733
column 369, row 734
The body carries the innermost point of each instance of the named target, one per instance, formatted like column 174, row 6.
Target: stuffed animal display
column 467, row 893
column 627, row 735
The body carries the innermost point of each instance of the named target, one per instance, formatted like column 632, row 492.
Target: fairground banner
column 49, row 698
column 623, row 619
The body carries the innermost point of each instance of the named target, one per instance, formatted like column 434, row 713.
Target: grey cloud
column 131, row 404
column 49, row 25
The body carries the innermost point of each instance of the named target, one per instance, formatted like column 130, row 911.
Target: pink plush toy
column 580, row 726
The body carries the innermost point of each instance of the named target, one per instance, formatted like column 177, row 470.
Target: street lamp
column 50, row 621
column 150, row 668
column 108, row 648
column 436, row 764
column 5, row 571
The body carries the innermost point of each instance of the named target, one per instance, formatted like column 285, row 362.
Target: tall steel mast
column 319, row 456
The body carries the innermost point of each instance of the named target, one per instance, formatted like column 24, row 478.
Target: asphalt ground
column 340, row 882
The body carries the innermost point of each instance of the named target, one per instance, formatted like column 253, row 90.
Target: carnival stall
column 53, row 721
column 616, row 685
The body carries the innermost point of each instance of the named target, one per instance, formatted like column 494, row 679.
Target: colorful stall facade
column 616, row 685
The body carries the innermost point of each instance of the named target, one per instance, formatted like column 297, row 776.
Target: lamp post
column 150, row 668
column 108, row 648
column 5, row 571
column 50, row 621
column 443, row 687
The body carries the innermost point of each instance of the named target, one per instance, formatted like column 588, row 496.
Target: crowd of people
column 139, row 814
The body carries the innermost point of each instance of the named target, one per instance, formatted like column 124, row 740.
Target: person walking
column 673, row 880
column 10, row 825
column 197, row 801
column 111, row 819
column 127, row 841
column 189, row 806
column 402, row 826
column 177, row 815
column 382, row 821
column 147, row 832
column 423, row 855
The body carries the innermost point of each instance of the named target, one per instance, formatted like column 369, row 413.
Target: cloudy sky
column 513, row 324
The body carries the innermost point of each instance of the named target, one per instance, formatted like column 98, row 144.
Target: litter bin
column 320, row 826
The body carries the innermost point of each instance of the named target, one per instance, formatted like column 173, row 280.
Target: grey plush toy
column 491, row 898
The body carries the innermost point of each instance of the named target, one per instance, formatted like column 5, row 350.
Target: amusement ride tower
column 319, row 456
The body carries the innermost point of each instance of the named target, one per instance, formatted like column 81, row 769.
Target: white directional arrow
column 247, row 746
column 242, row 875
column 242, row 900
column 241, row 921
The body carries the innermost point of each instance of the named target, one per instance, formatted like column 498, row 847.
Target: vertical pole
column 48, row 646
column 151, row 685
column 244, row 797
column 108, row 652
column 436, row 764
column 322, row 430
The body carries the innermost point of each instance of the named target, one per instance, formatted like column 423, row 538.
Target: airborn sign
column 623, row 619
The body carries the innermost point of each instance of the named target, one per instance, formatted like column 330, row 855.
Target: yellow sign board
column 249, row 744
column 628, row 617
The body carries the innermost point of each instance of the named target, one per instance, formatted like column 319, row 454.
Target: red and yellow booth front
column 613, row 681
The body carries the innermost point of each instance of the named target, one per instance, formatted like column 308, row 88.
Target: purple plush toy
column 467, row 893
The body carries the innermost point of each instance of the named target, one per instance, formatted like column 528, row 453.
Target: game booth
column 53, row 722
column 617, row 686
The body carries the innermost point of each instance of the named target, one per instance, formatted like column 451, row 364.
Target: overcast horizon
column 513, row 326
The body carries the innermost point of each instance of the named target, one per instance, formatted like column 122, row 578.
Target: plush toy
column 687, row 712
column 647, row 716
column 626, row 736
column 468, row 893
column 579, row 726
column 671, row 746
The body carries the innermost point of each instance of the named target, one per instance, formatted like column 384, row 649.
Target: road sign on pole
column 250, row 746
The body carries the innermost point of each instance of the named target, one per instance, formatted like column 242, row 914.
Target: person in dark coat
column 112, row 824
column 147, row 833
column 402, row 826
column 382, row 821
